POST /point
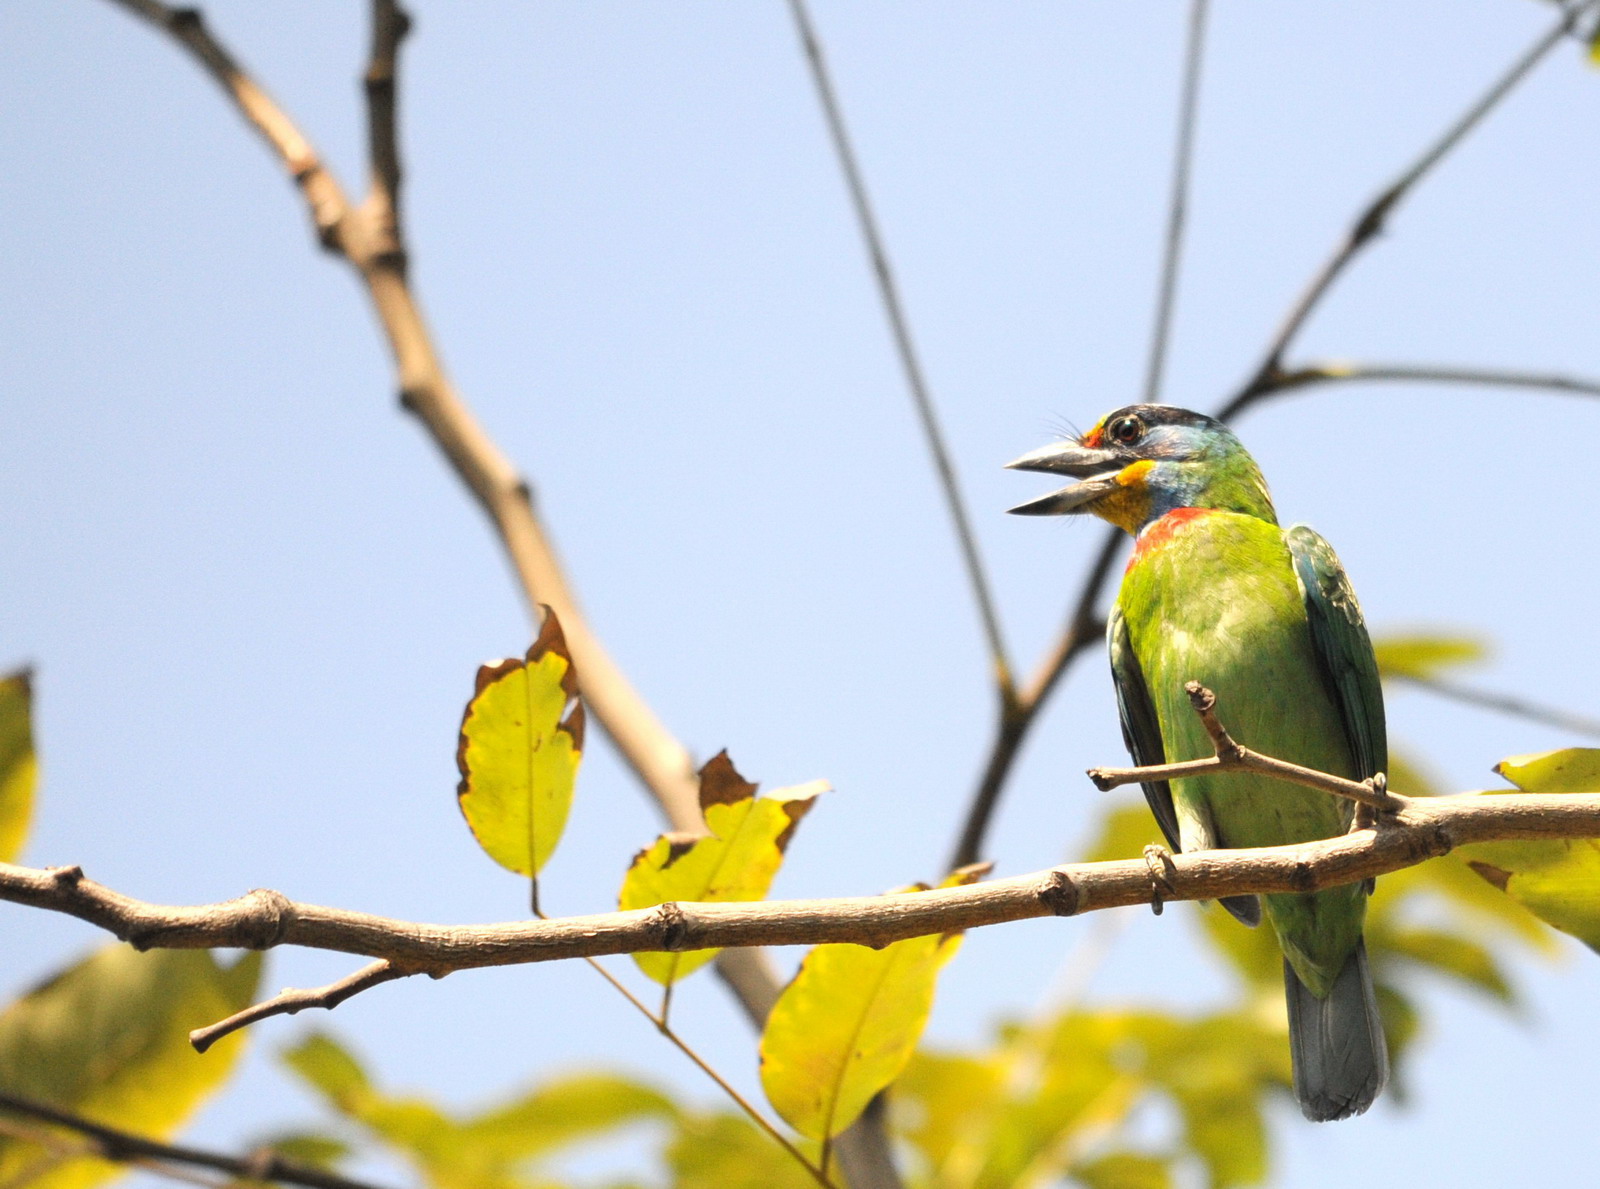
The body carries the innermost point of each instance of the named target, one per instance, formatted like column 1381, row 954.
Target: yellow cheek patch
column 1133, row 474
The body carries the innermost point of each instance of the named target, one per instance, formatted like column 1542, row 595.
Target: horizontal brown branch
column 1417, row 829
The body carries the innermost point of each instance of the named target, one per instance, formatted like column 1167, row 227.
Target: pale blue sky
column 256, row 598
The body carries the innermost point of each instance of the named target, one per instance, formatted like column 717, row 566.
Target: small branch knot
column 270, row 916
column 67, row 877
column 1060, row 893
column 674, row 926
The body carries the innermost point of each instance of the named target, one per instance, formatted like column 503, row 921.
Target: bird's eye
column 1125, row 431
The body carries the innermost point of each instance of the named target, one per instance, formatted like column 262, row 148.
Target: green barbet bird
column 1217, row 592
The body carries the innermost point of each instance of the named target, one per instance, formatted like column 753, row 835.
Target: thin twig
column 1232, row 757
column 1178, row 203
column 1311, row 374
column 899, row 326
column 110, row 1143
column 390, row 24
column 290, row 1001
column 739, row 1100
column 1372, row 220
column 1550, row 716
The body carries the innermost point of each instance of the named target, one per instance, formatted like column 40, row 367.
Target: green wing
column 1141, row 731
column 1340, row 637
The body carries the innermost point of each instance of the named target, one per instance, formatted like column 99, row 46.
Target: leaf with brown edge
column 19, row 767
column 518, row 756
column 737, row 860
column 848, row 1023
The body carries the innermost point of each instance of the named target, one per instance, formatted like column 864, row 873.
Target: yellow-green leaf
column 1423, row 656
column 19, row 767
column 108, row 1039
column 1568, row 770
column 1124, row 1170
column 736, row 861
column 725, row 1151
column 564, row 1111
column 487, row 1151
column 847, row 1025
column 517, row 755
column 1557, row 880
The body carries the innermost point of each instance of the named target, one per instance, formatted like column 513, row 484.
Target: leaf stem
column 738, row 1099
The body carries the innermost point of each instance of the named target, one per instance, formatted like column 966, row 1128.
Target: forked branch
column 1231, row 756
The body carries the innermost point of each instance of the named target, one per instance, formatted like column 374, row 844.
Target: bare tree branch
column 290, row 1001
column 1370, row 223
column 1409, row 831
column 1178, row 202
column 390, row 24
column 1311, row 374
column 889, row 291
column 124, row 1147
column 363, row 236
column 1233, row 757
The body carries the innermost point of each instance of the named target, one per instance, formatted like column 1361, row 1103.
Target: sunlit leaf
column 1558, row 880
column 1124, row 1170
column 737, row 861
column 847, row 1025
column 943, row 1100
column 109, row 1039
column 491, row 1150
column 517, row 755
column 19, row 767
column 1567, row 770
column 726, row 1151
column 1424, row 656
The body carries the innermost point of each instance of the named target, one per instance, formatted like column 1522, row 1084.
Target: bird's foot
column 1159, row 860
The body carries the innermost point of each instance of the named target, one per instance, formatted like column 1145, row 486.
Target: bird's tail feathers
column 1340, row 1058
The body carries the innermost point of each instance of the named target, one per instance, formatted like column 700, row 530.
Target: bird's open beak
column 1097, row 468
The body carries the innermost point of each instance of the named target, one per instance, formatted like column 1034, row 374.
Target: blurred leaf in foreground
column 1423, row 656
column 499, row 1148
column 736, row 861
column 19, row 767
column 108, row 1039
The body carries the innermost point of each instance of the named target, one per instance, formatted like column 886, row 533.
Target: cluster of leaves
column 1065, row 1097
